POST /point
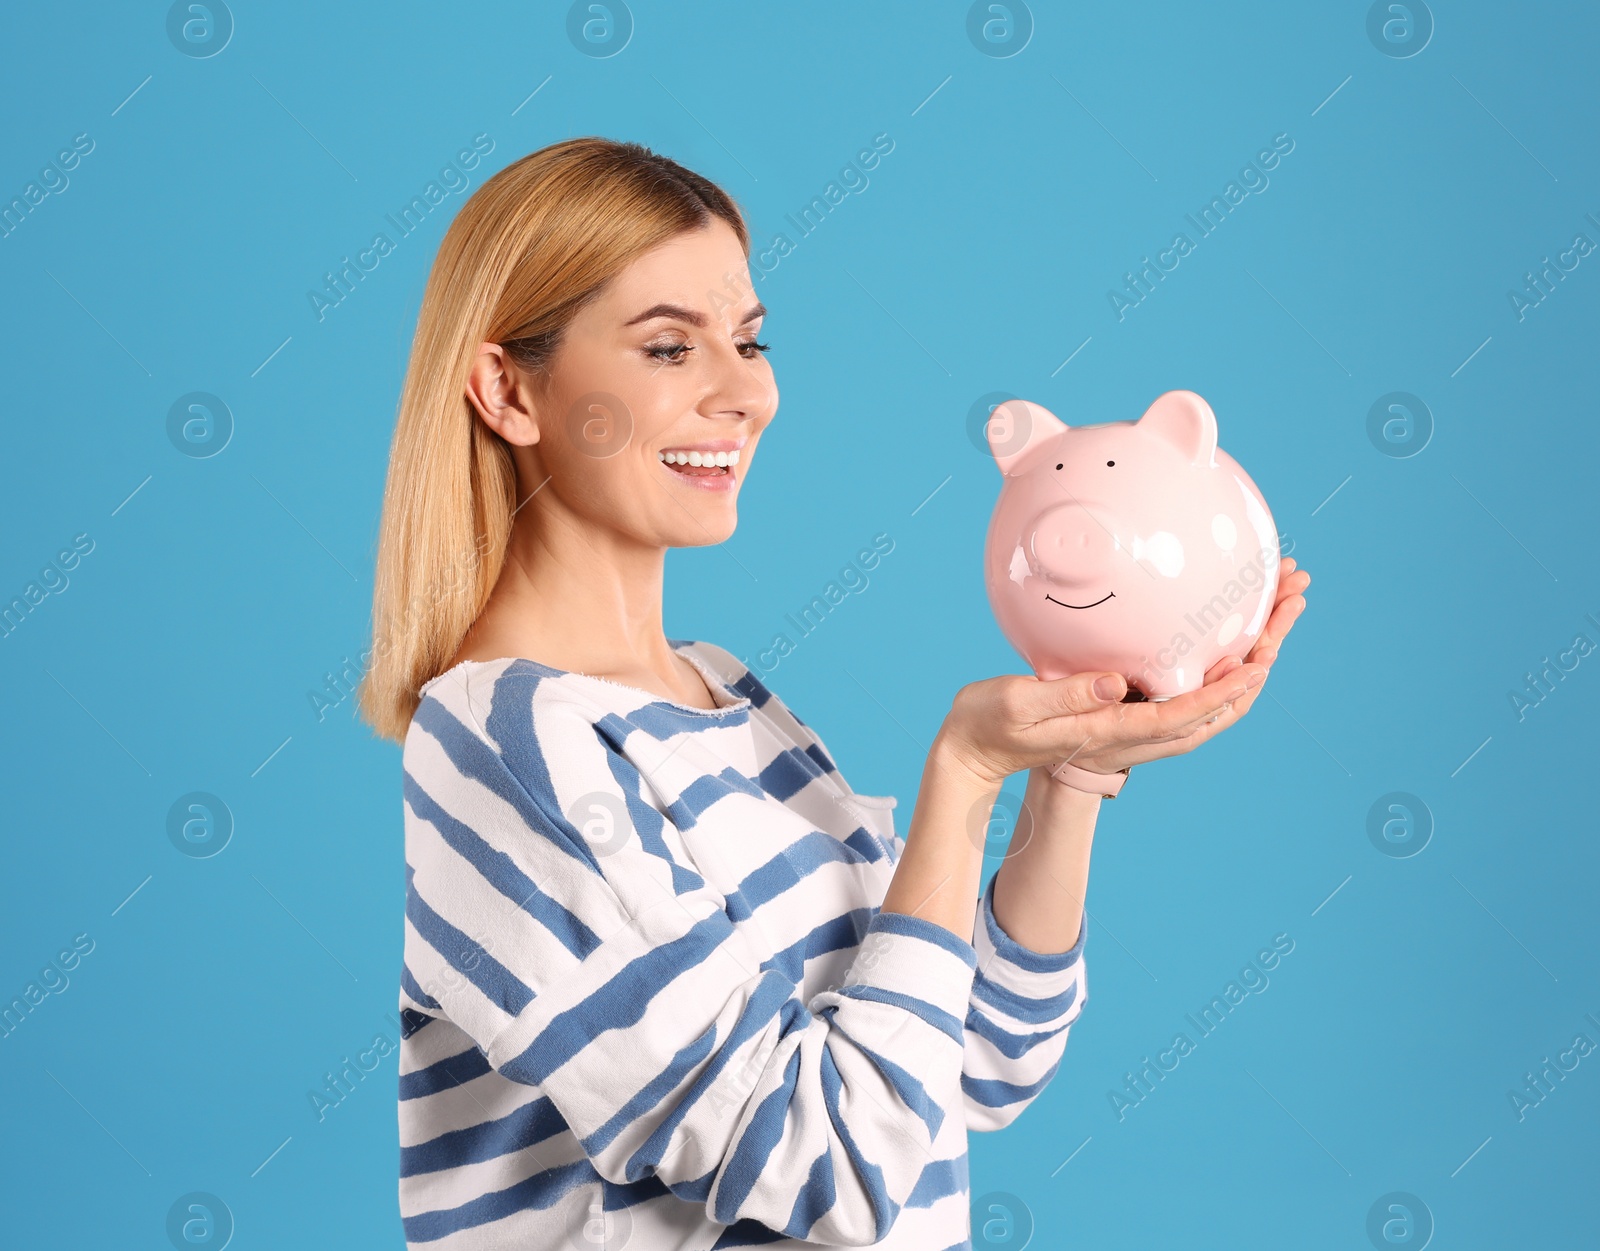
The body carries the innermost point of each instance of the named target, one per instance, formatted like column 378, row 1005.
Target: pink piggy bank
column 1134, row 547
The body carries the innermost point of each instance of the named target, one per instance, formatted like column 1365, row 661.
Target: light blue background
column 1380, row 258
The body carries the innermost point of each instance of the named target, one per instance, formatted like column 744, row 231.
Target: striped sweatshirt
column 650, row 1000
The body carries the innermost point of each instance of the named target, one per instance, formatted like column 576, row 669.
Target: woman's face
column 664, row 361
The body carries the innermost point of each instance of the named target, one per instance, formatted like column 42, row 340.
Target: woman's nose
column 743, row 392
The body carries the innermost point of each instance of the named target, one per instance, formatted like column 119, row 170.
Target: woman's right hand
column 1000, row 726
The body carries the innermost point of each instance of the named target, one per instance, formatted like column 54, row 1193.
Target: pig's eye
column 1058, row 466
column 1109, row 463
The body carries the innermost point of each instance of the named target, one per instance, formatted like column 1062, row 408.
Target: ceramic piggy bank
column 1135, row 547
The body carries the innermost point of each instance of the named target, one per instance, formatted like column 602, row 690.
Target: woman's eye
column 674, row 353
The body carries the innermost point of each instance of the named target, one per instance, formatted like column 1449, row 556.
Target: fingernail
column 1255, row 679
column 1108, row 687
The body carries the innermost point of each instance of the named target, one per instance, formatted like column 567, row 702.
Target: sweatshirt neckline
column 728, row 699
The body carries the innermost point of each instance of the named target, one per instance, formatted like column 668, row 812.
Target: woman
column 668, row 982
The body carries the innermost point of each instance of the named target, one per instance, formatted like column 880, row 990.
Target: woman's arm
column 1000, row 726
column 938, row 872
column 1039, row 893
column 1029, row 987
column 1039, row 887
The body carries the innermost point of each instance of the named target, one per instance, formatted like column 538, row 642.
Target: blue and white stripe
column 649, row 993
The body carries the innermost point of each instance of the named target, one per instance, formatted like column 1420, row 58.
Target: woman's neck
column 586, row 600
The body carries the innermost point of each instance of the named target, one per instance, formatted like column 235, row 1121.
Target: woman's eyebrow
column 679, row 313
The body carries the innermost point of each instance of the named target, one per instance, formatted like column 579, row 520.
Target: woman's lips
column 703, row 477
column 706, row 476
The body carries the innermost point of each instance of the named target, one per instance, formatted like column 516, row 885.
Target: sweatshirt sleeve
column 549, row 917
column 1022, row 1007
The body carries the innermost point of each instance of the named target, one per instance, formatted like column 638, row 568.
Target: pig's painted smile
column 1054, row 600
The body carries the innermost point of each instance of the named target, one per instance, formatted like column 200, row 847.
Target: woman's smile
column 708, row 466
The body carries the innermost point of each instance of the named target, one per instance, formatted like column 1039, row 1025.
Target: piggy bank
column 1134, row 547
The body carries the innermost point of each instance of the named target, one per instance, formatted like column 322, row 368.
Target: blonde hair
column 527, row 251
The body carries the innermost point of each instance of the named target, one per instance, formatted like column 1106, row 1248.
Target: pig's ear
column 1186, row 421
column 1015, row 428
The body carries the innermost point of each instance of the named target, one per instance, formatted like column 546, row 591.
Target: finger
column 1292, row 584
column 1222, row 668
column 1211, row 727
column 1278, row 626
column 1207, row 729
column 1144, row 753
column 1244, row 703
column 1222, row 697
column 1161, row 722
column 1069, row 696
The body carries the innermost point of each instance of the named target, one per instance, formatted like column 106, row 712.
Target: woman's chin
column 709, row 533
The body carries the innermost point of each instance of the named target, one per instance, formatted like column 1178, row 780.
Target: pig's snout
column 1073, row 544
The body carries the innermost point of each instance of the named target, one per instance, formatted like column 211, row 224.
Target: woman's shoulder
column 496, row 701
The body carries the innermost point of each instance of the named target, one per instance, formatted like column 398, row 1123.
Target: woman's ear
column 503, row 396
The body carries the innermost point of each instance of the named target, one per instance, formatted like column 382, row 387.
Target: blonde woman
column 668, row 982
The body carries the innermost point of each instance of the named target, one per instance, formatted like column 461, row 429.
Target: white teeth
column 707, row 459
